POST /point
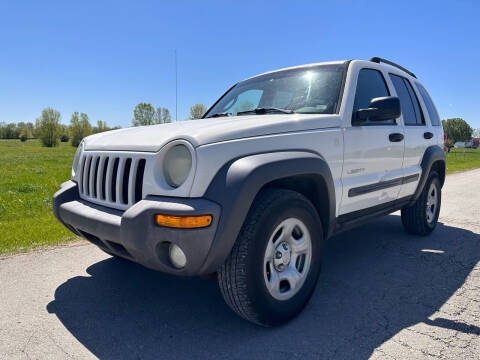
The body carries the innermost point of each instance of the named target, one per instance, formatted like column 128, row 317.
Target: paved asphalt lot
column 382, row 294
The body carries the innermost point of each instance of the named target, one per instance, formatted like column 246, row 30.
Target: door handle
column 395, row 137
column 428, row 135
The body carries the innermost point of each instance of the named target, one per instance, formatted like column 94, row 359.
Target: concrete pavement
column 382, row 294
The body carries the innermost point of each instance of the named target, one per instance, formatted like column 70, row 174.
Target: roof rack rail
column 377, row 59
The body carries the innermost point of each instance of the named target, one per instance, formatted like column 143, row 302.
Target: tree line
column 146, row 114
column 458, row 130
column 50, row 131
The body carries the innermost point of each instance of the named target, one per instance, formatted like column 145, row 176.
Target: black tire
column 241, row 277
column 414, row 218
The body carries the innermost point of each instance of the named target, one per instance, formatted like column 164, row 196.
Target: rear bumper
column 132, row 234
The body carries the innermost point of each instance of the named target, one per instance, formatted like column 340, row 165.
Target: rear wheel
column 272, row 270
column 422, row 217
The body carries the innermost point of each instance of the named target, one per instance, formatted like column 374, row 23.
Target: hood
column 206, row 131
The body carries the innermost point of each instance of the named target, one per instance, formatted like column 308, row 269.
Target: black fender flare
column 238, row 182
column 432, row 154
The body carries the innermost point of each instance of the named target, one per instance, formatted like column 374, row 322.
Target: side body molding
column 432, row 154
column 237, row 183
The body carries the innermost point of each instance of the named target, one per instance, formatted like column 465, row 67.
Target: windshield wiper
column 263, row 110
column 220, row 115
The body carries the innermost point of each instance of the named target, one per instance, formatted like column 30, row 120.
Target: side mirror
column 381, row 108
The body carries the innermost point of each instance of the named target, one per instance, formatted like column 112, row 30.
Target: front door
column 373, row 152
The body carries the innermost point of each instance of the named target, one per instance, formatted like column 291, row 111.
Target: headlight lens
column 76, row 158
column 177, row 165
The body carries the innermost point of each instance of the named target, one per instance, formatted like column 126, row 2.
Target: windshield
column 310, row 90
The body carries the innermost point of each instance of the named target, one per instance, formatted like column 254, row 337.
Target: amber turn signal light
column 183, row 222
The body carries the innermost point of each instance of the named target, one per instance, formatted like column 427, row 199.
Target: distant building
column 475, row 142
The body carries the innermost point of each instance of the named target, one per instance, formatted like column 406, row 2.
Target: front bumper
column 132, row 234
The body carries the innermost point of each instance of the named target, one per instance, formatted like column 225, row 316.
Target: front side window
column 432, row 110
column 411, row 112
column 370, row 85
column 310, row 90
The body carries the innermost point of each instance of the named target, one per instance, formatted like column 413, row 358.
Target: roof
column 338, row 62
column 375, row 59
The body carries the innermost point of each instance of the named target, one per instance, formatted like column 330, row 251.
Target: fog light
column 177, row 256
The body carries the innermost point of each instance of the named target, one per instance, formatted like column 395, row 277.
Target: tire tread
column 232, row 274
column 413, row 217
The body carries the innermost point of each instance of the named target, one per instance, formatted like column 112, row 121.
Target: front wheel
column 422, row 217
column 272, row 270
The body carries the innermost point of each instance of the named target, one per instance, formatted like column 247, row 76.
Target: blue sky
column 103, row 57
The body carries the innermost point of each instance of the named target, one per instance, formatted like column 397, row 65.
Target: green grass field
column 30, row 174
column 461, row 159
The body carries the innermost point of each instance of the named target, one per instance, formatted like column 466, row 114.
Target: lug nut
column 278, row 255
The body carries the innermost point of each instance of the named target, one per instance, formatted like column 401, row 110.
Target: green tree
column 456, row 129
column 101, row 127
column 144, row 114
column 11, row 131
column 163, row 115
column 79, row 127
column 18, row 128
column 25, row 133
column 64, row 134
column 48, row 126
column 197, row 111
column 166, row 117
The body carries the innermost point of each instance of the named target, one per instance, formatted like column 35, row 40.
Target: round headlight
column 176, row 165
column 76, row 158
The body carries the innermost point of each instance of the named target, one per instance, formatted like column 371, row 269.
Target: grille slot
column 93, row 179
column 113, row 180
column 87, row 175
column 139, row 180
column 104, row 178
column 113, row 188
column 126, row 177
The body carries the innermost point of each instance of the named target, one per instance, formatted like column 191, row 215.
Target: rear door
column 373, row 159
column 431, row 113
column 418, row 133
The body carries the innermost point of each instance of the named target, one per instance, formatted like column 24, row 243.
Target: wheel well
column 439, row 167
column 313, row 187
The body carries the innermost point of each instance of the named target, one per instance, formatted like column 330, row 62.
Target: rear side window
column 370, row 85
column 432, row 110
column 411, row 112
column 416, row 103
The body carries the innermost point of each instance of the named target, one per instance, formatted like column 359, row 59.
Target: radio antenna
column 176, row 87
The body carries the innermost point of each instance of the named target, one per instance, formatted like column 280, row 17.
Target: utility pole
column 176, row 87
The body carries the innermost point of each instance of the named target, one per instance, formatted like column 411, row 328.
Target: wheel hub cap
column 287, row 259
column 283, row 254
column 432, row 200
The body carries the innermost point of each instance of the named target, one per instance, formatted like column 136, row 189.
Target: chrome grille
column 113, row 180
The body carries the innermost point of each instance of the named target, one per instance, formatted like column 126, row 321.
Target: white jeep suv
column 251, row 192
